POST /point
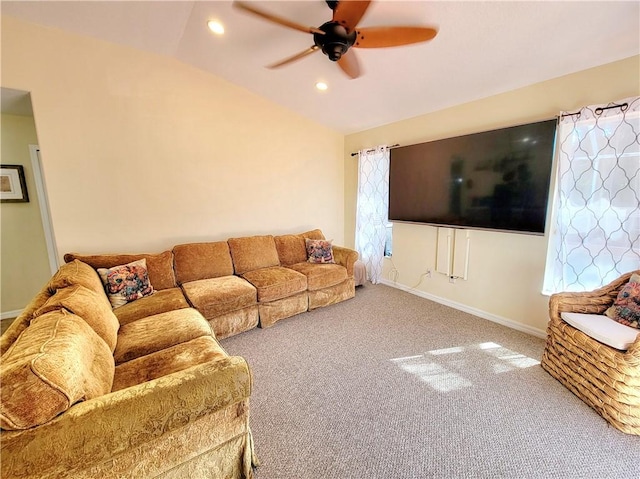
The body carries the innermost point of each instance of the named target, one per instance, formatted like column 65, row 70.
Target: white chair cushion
column 603, row 329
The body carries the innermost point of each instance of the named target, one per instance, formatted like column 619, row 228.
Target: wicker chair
column 605, row 378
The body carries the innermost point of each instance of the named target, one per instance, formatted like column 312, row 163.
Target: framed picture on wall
column 13, row 187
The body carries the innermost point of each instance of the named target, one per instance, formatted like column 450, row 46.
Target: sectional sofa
column 115, row 370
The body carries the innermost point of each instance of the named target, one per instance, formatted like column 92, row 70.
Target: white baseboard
column 10, row 314
column 467, row 309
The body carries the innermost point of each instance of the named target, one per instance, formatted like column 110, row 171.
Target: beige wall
column 505, row 270
column 24, row 265
column 142, row 152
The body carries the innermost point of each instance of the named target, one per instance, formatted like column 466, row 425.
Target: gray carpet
column 391, row 385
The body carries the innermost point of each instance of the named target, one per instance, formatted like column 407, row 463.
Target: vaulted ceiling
column 482, row 48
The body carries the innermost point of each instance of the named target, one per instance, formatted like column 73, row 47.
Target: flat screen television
column 497, row 180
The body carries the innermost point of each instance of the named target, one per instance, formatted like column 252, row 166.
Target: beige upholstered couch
column 145, row 389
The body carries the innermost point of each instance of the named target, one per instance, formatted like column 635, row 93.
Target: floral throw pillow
column 626, row 307
column 319, row 251
column 126, row 283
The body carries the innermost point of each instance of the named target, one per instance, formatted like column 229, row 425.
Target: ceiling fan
column 336, row 37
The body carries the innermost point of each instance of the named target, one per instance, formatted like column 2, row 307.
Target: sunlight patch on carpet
column 435, row 375
column 511, row 358
column 444, row 369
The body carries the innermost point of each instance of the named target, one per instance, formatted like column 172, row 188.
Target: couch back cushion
column 159, row 266
column 253, row 252
column 195, row 261
column 313, row 234
column 90, row 306
column 73, row 273
column 291, row 249
column 56, row 362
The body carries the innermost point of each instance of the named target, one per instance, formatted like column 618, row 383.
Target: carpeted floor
column 390, row 385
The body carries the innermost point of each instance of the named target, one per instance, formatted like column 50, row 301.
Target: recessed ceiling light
column 216, row 27
column 322, row 86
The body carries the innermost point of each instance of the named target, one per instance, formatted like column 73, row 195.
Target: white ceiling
column 482, row 49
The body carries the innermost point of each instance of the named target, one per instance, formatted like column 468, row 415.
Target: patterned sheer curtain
column 596, row 227
column 372, row 209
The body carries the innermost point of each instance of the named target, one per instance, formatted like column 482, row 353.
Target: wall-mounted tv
column 496, row 180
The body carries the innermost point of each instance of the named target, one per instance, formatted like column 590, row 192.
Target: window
column 595, row 237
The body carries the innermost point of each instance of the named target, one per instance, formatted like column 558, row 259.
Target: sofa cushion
column 196, row 261
column 320, row 276
column 319, row 251
column 291, row 249
column 126, row 283
column 603, row 329
column 626, row 307
column 158, row 332
column 90, row 306
column 253, row 252
column 167, row 361
column 73, row 273
column 161, row 301
column 276, row 282
column 57, row 361
column 160, row 266
column 216, row 296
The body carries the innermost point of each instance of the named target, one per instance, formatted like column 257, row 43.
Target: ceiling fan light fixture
column 334, row 50
column 216, row 27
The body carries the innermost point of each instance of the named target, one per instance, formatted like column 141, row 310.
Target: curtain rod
column 600, row 109
column 373, row 149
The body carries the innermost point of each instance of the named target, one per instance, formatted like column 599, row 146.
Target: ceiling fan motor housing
column 336, row 40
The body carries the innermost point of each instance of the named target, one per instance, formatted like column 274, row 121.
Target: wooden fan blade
column 377, row 37
column 298, row 56
column 349, row 64
column 279, row 20
column 349, row 13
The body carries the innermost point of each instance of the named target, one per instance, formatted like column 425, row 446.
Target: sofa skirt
column 224, row 449
column 333, row 294
column 232, row 460
column 235, row 322
column 274, row 311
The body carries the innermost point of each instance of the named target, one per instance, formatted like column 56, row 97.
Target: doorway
column 28, row 255
column 43, row 203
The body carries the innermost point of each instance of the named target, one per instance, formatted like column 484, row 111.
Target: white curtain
column 595, row 236
column 372, row 209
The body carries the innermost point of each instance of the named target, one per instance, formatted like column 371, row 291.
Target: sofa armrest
column 92, row 432
column 22, row 321
column 345, row 257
